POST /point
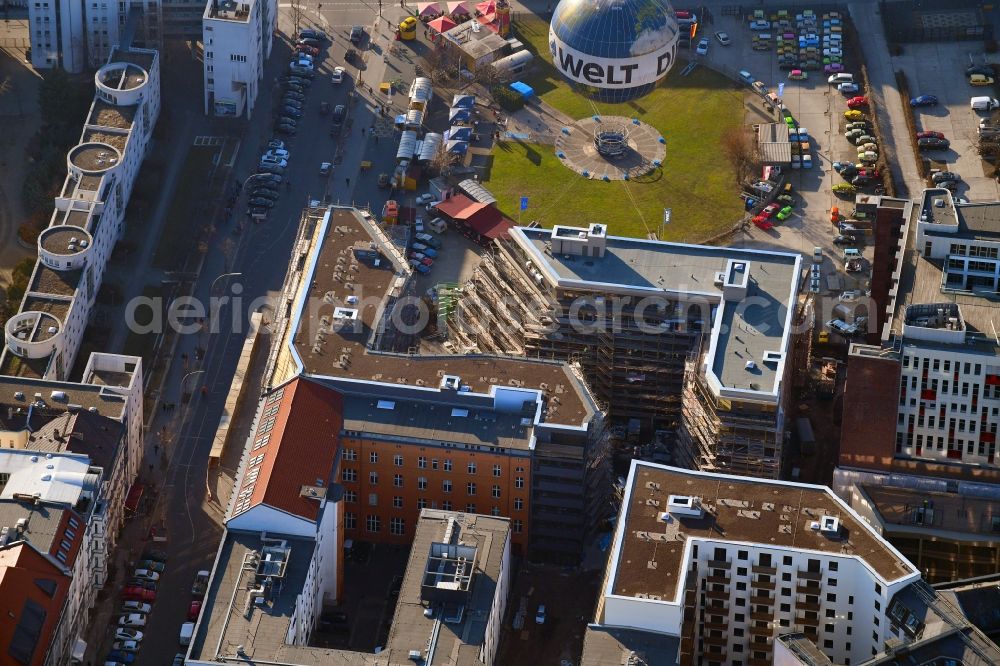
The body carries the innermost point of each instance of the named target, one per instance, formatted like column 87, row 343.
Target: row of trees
column 62, row 101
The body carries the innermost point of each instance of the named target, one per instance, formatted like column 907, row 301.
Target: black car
column 155, row 555
column 849, row 172
column 287, row 120
column 261, row 202
column 933, row 144
column 301, row 72
column 274, row 168
column 309, row 41
column 294, row 94
column 985, row 70
column 285, row 128
column 357, row 35
column 294, row 103
column 298, row 81
column 265, row 192
column 290, row 112
column 844, row 240
column 943, row 176
column 264, row 179
column 318, row 35
column 351, row 55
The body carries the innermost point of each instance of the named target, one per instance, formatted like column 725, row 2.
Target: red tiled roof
column 300, row 426
column 25, row 575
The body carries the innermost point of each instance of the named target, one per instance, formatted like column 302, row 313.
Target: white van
column 984, row 104
column 840, row 77
column 437, row 225
column 187, row 632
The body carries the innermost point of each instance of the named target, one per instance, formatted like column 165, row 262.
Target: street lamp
column 212, row 288
column 184, row 380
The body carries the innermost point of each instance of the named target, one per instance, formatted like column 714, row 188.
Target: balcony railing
column 810, row 575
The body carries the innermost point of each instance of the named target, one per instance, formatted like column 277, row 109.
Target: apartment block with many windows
column 490, row 434
column 691, row 340
column 723, row 565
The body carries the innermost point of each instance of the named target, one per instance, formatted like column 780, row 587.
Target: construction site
column 648, row 345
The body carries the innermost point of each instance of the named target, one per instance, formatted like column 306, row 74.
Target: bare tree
column 489, row 76
column 443, row 160
column 740, row 148
column 439, row 65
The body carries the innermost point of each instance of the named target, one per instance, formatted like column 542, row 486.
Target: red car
column 857, row 103
column 930, row 135
column 762, row 222
column 770, row 211
column 305, row 48
column 193, row 611
column 136, row 593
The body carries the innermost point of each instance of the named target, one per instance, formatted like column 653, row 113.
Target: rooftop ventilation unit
column 451, row 382
column 416, row 655
column 686, row 506
column 829, row 525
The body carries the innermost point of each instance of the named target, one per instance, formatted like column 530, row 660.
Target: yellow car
column 980, row 80
column 853, row 114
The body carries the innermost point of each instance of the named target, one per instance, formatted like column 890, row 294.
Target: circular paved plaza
column 644, row 148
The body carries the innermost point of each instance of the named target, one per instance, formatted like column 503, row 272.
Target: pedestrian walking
column 348, row 180
column 376, row 138
column 362, row 131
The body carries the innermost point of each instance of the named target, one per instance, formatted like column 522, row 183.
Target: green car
column 784, row 213
column 151, row 565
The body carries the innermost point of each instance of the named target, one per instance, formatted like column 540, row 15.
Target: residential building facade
column 479, row 433
column 237, row 37
column 726, row 564
column 690, row 340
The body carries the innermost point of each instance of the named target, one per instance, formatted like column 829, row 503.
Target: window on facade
column 350, row 521
column 373, row 523
column 373, row 478
column 421, row 503
column 470, row 508
column 519, row 482
column 495, row 492
column 472, row 468
column 518, row 504
column 350, row 454
column 372, row 499
column 397, row 526
column 470, row 488
column 446, row 485
column 517, row 525
column 496, row 470
column 349, row 475
column 495, row 511
column 397, row 480
column 373, row 457
column 350, row 497
column 446, row 505
column 397, row 460
column 421, row 483
column 434, row 463
column 447, row 465
column 397, row 502
column 422, row 462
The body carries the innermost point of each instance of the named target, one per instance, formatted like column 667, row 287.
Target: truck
column 200, row 584
column 984, row 103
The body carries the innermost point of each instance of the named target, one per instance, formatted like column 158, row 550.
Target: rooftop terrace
column 61, row 283
column 107, row 115
column 118, row 140
column 56, row 307
column 903, row 509
column 772, row 513
column 229, row 10
column 93, row 157
column 329, row 343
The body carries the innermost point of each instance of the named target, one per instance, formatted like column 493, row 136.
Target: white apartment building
column 939, row 347
column 80, row 34
column 237, row 37
column 44, row 336
column 725, row 564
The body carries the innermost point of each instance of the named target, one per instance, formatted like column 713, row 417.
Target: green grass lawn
column 697, row 182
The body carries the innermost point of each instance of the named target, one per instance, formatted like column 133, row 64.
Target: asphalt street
column 191, row 519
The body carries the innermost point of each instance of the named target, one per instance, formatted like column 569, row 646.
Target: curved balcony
column 33, row 334
column 64, row 247
column 93, row 159
column 121, row 83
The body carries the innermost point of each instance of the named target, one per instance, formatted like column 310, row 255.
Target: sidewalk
column 885, row 99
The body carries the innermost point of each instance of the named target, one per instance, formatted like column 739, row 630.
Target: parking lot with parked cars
column 953, row 76
column 811, row 58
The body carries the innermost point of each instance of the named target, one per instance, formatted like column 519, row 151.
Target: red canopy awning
column 134, row 496
column 442, row 24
